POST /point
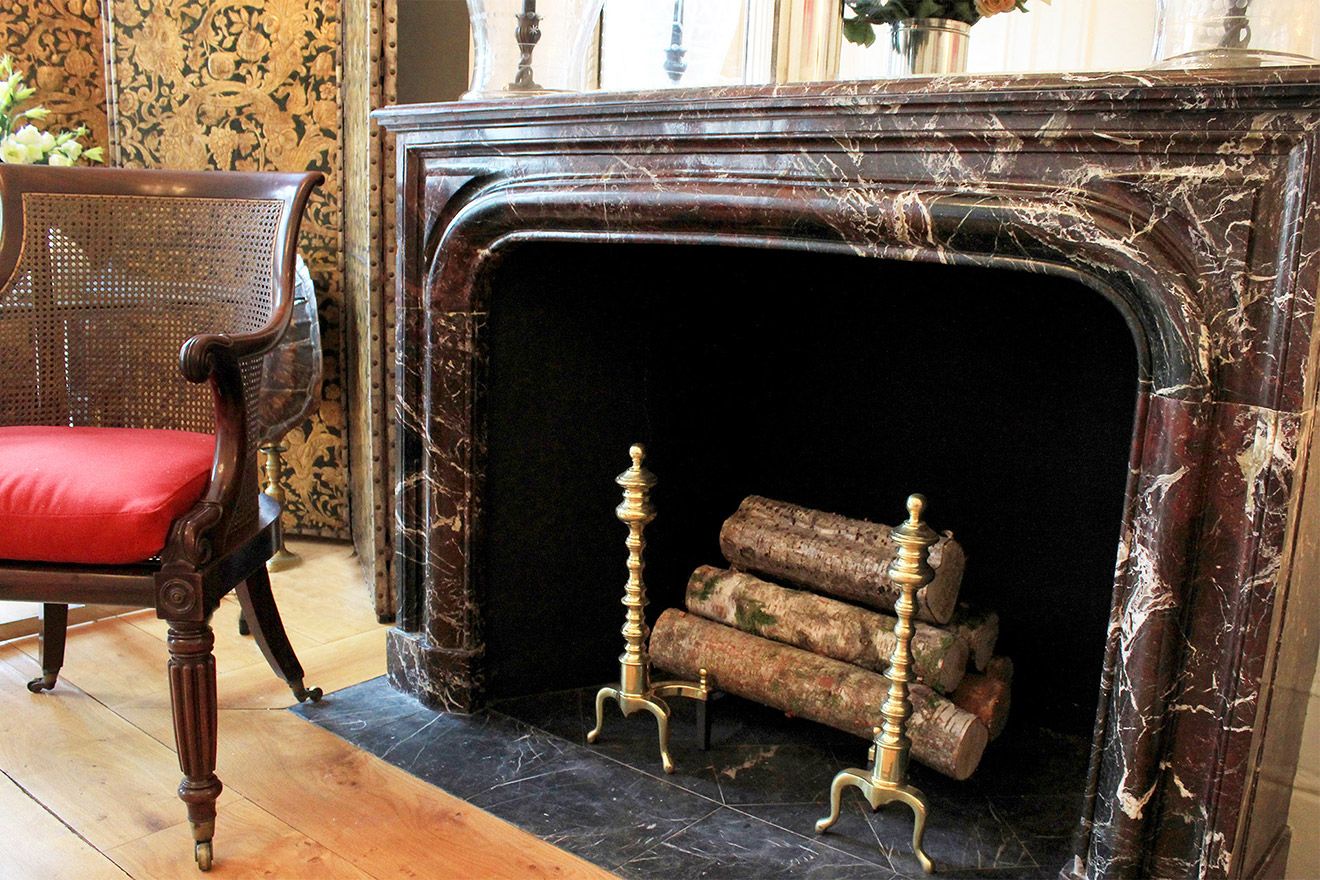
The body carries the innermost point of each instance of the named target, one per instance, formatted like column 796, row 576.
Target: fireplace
column 1018, row 432
column 1093, row 273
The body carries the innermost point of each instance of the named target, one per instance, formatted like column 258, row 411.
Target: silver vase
column 926, row 46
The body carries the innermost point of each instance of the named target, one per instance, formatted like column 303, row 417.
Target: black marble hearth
column 743, row 809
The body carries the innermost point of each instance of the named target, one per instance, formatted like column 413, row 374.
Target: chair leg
column 54, row 625
column 263, row 617
column 192, row 696
column 243, row 628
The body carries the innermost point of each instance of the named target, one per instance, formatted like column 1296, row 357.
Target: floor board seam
column 56, row 816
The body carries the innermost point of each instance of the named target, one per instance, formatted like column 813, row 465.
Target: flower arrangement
column 868, row 13
column 21, row 142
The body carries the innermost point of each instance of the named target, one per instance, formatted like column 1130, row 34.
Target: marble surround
column 1191, row 201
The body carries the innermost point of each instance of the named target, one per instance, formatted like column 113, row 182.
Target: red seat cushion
column 96, row 495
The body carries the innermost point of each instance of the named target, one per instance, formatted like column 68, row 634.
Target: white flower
column 60, row 160
column 71, row 150
column 37, row 143
column 13, row 153
column 28, row 136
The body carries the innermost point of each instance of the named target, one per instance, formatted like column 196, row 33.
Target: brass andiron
column 635, row 690
column 885, row 782
column 283, row 558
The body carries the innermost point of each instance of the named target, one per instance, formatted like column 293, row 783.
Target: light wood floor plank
column 331, row 667
column 45, row 848
column 97, row 772
column 377, row 816
column 298, row 802
column 254, row 844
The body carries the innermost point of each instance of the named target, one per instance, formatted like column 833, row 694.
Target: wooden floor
column 88, row 772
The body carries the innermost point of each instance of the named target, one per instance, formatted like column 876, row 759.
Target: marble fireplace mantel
column 1192, row 202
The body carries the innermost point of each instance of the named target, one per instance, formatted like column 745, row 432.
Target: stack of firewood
column 824, row 658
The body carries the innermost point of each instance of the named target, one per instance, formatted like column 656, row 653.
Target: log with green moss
column 822, row 625
column 841, row 695
column 980, row 630
column 833, row 554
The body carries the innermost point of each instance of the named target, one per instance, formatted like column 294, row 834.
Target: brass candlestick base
column 283, row 558
column 885, row 782
column 636, row 691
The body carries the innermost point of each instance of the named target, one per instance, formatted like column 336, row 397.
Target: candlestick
column 283, row 557
column 528, row 34
column 675, row 65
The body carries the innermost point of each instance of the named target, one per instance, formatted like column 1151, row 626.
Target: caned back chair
column 135, row 309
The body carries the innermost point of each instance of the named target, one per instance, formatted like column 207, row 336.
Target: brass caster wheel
column 303, row 695
column 44, row 683
column 202, row 852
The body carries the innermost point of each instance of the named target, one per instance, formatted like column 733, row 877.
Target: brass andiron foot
column 885, row 782
column 283, row 557
column 636, row 691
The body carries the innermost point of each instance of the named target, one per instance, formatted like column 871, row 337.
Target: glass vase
column 531, row 47
column 1198, row 34
column 660, row 44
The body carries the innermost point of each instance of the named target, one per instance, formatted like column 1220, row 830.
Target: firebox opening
column 833, row 381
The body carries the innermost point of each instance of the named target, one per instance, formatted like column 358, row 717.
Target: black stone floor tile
column 600, row 810
column 731, row 845
column 852, row 833
column 371, row 715
column 745, row 808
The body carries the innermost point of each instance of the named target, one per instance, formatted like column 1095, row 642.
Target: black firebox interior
column 835, row 381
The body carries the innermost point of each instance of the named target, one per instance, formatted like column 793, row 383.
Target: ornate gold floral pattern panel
column 251, row 86
column 58, row 44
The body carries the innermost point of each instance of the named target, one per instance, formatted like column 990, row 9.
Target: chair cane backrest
column 108, row 287
column 106, row 273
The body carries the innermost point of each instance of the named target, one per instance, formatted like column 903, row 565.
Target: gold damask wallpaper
column 58, row 42
column 250, row 86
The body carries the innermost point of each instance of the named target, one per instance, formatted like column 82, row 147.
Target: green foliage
column 860, row 27
column 859, row 31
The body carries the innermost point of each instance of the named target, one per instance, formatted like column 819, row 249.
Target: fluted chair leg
column 54, row 626
column 193, row 698
column 263, row 617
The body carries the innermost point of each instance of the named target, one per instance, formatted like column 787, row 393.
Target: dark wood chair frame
column 204, row 557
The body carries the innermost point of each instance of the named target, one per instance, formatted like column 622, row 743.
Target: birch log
column 980, row 630
column 988, row 695
column 841, row 695
column 822, row 625
column 833, row 554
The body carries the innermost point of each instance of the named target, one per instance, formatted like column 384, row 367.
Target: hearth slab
column 743, row 809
